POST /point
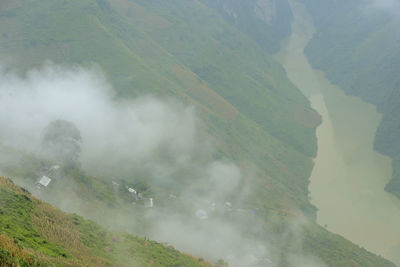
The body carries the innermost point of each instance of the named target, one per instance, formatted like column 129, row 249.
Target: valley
column 349, row 176
column 174, row 121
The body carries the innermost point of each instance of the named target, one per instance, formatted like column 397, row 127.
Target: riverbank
column 348, row 179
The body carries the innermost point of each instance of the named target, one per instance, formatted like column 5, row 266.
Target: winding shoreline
column 348, row 179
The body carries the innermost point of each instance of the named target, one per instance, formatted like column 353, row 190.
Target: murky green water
column 348, row 179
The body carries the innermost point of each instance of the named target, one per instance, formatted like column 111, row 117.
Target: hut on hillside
column 43, row 182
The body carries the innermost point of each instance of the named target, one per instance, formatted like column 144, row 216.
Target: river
column 348, row 179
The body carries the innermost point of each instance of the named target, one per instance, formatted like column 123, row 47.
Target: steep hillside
column 229, row 63
column 364, row 60
column 167, row 49
column 265, row 21
column 34, row 233
column 252, row 114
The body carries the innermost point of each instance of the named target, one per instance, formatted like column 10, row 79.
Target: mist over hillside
column 169, row 120
column 160, row 138
column 62, row 239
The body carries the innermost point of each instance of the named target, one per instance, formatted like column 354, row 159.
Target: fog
column 157, row 138
column 389, row 6
column 126, row 130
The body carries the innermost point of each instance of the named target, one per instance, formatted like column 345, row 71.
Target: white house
column 132, row 191
column 43, row 182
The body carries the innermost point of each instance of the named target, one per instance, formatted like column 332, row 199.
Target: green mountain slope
column 254, row 115
column 156, row 52
column 34, row 233
column 357, row 46
column 267, row 22
column 221, row 56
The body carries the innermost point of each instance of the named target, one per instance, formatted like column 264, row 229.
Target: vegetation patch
column 34, row 233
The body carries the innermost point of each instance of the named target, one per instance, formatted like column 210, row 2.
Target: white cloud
column 160, row 137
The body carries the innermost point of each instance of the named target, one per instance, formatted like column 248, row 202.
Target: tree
column 62, row 141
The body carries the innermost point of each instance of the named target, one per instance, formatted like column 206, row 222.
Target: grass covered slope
column 337, row 251
column 249, row 107
column 356, row 45
column 255, row 116
column 97, row 199
column 233, row 65
column 34, row 233
column 265, row 21
column 150, row 50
